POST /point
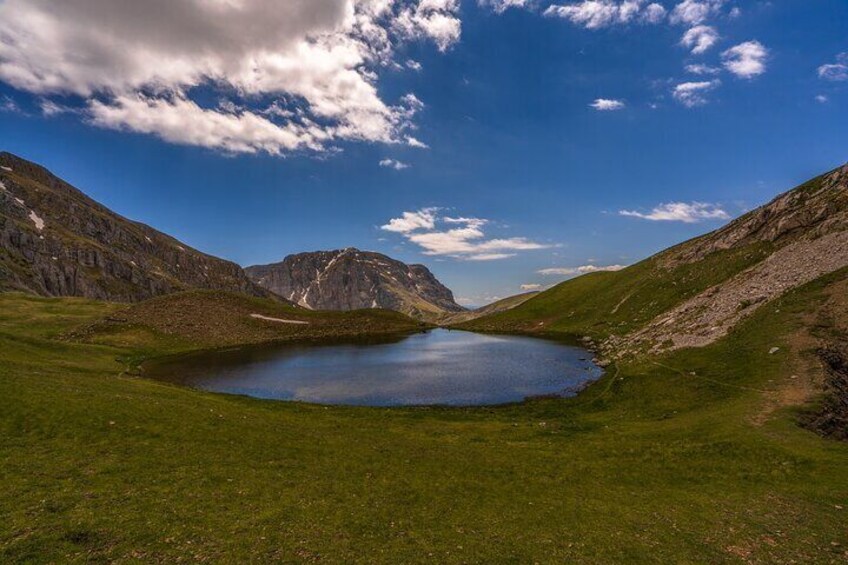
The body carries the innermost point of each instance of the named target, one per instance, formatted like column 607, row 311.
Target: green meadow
column 689, row 458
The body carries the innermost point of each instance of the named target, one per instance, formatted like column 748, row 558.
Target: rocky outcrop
column 350, row 279
column 55, row 241
column 807, row 229
column 807, row 212
column 711, row 315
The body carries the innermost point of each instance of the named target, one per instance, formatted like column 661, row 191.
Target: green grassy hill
column 695, row 456
column 720, row 453
column 798, row 237
column 609, row 303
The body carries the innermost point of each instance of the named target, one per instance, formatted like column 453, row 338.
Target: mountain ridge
column 57, row 241
column 695, row 293
column 351, row 279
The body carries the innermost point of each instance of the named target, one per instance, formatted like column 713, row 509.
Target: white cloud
column 689, row 213
column 582, row 270
column 822, row 99
column 837, row 71
column 50, row 108
column 458, row 237
column 699, row 39
column 596, row 14
column 700, row 69
column 413, row 64
column 694, row 12
column 393, row 164
column 692, row 94
column 488, row 256
column 531, row 287
column 746, row 60
column 412, row 142
column 607, row 105
column 500, row 6
column 428, row 19
column 411, row 221
column 137, row 65
column 8, row 104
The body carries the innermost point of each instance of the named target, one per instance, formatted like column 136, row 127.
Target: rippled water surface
column 436, row 367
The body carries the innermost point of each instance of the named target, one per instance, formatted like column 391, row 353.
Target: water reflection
column 436, row 367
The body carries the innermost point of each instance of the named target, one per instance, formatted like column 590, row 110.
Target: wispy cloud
column 701, row 69
column 413, row 142
column 746, row 60
column 393, row 164
column 596, row 14
column 500, row 6
column 607, row 105
column 8, row 104
column 693, row 94
column 462, row 238
column 582, row 270
column 530, row 287
column 837, row 71
column 686, row 212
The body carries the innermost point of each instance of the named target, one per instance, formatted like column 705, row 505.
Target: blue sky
column 523, row 140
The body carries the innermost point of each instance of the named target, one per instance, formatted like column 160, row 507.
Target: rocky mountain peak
column 350, row 279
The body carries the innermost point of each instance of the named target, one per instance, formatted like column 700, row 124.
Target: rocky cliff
column 350, row 279
column 55, row 241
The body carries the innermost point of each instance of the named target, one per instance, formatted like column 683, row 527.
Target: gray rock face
column 350, row 279
column 814, row 209
column 55, row 241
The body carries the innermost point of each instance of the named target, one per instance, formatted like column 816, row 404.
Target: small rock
column 773, row 350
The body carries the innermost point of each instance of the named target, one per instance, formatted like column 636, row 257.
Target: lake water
column 439, row 367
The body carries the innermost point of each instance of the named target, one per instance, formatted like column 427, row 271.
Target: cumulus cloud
column 458, row 237
column 607, row 105
column 137, row 66
column 822, row 99
column 695, row 12
column 836, row 71
column 693, row 94
column 686, row 212
column 746, row 60
column 500, row 6
column 596, row 14
column 699, row 39
column 582, row 270
column 393, row 164
column 411, row 221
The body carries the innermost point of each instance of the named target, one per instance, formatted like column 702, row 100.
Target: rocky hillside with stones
column 695, row 293
column 56, row 241
column 350, row 279
column 806, row 231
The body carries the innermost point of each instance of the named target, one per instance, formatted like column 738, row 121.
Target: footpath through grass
column 663, row 461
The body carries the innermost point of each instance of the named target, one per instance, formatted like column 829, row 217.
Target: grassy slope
column 652, row 463
column 203, row 319
column 616, row 303
column 493, row 308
